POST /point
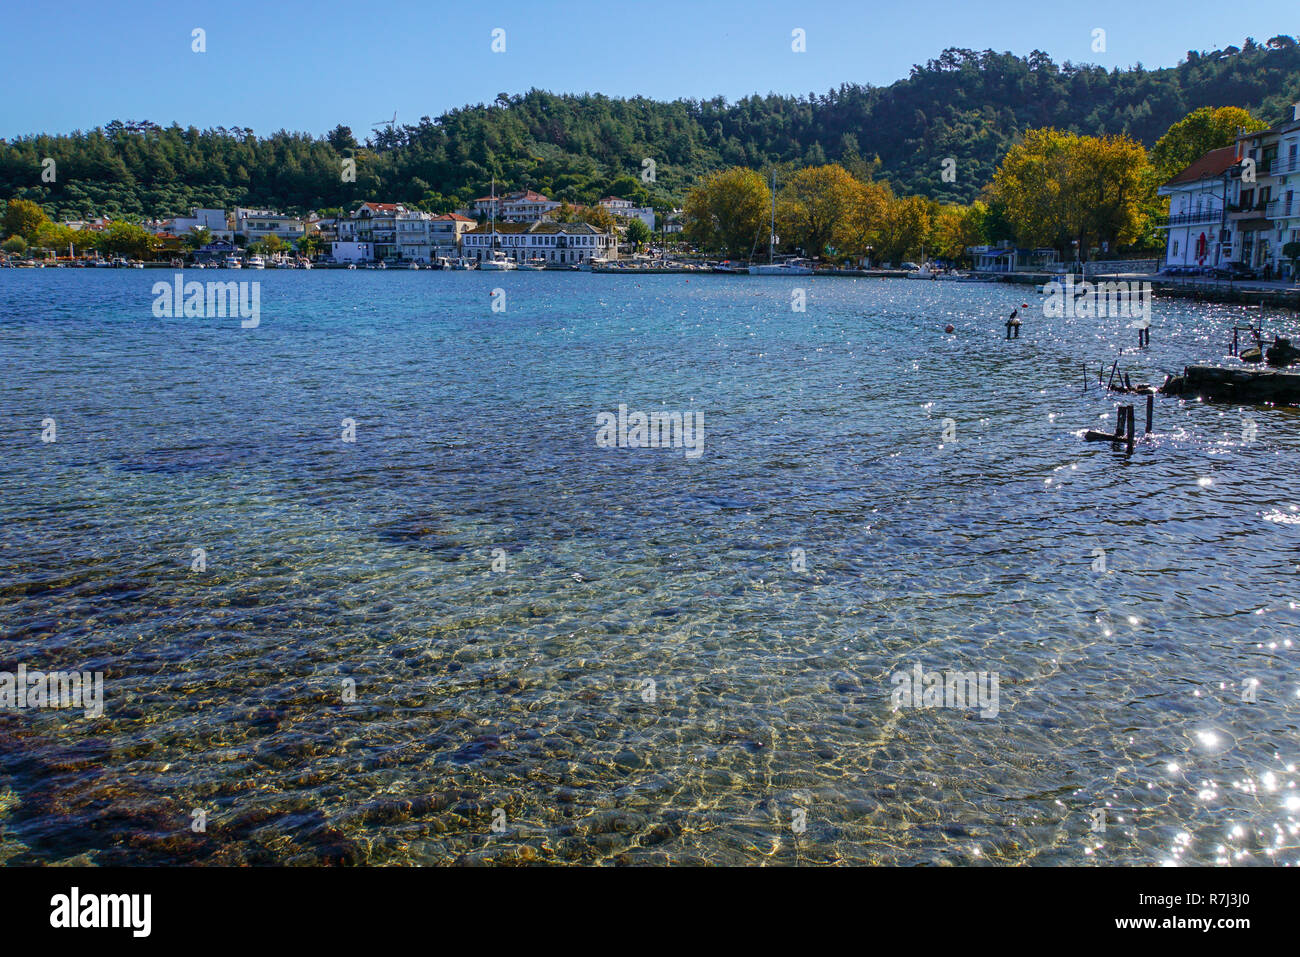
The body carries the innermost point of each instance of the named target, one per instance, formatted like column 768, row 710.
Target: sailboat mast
column 771, row 236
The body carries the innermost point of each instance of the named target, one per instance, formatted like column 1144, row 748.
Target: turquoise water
column 520, row 698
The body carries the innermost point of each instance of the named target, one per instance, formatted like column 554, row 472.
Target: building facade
column 373, row 225
column 1240, row 204
column 521, row 206
column 555, row 243
column 629, row 210
column 257, row 225
column 1198, row 232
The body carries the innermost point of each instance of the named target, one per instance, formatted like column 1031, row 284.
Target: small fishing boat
column 534, row 265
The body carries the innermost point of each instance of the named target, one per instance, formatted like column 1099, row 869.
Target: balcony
column 1198, row 218
column 1247, row 211
column 1281, row 209
column 1285, row 167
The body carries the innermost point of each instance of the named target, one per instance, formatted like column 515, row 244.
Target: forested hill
column 966, row 105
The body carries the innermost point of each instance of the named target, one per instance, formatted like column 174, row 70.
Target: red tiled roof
column 1212, row 164
column 455, row 217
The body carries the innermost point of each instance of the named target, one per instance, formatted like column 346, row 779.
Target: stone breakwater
column 1249, row 386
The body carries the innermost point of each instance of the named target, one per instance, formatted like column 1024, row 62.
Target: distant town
column 1228, row 213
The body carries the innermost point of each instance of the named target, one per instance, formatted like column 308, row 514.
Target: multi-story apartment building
column 445, row 234
column 1198, row 211
column 1283, row 210
column 423, row 237
column 521, row 206
column 412, row 228
column 555, row 243
column 375, row 226
column 1240, row 204
column 259, row 224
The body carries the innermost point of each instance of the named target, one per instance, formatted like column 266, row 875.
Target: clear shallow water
column 523, row 690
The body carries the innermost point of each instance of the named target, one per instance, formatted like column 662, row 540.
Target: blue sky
column 275, row 64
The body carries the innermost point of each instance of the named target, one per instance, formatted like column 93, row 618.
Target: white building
column 555, row 243
column 258, row 224
column 1197, row 224
column 372, row 224
column 521, row 206
column 413, row 235
column 1283, row 210
column 1239, row 204
column 352, row 252
column 629, row 210
column 213, row 220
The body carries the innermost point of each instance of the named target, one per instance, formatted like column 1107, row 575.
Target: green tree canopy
column 1197, row 133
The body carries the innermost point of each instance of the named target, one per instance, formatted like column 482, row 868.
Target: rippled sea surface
column 643, row 676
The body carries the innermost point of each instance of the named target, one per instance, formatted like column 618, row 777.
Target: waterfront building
column 1200, row 197
column 350, row 251
column 373, row 225
column 413, row 241
column 256, row 225
column 555, row 243
column 1283, row 210
column 1005, row 257
column 1239, row 204
column 445, row 233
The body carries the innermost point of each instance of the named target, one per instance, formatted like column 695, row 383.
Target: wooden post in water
column 1151, row 404
column 1128, row 415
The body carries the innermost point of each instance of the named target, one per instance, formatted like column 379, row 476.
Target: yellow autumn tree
column 859, row 229
column 904, row 228
column 816, row 206
column 1055, row 187
column 953, row 229
column 728, row 212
